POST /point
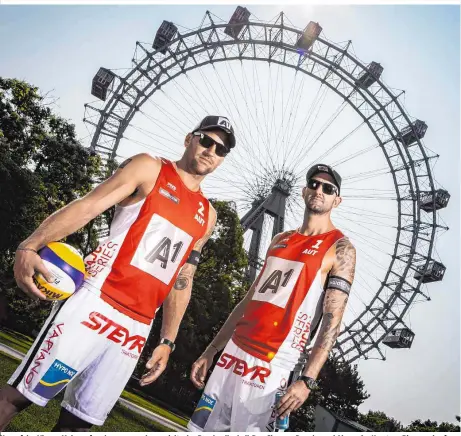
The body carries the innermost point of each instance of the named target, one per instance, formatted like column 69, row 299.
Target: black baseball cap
column 213, row 122
column 322, row 168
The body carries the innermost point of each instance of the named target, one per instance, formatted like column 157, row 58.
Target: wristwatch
column 309, row 382
column 167, row 342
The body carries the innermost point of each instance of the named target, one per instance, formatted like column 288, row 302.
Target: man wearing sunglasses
column 297, row 300
column 91, row 343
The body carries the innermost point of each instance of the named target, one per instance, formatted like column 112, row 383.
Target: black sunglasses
column 327, row 188
column 207, row 142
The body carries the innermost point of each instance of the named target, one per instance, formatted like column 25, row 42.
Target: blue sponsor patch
column 54, row 380
column 203, row 410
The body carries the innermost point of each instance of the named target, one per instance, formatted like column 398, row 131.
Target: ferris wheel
column 295, row 99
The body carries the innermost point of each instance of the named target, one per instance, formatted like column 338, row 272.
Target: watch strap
column 309, row 382
column 164, row 341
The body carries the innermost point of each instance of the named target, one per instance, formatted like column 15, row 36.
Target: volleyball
column 67, row 268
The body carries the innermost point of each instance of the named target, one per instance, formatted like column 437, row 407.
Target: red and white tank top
column 278, row 320
column 149, row 241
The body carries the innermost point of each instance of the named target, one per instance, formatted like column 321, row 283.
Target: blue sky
column 60, row 49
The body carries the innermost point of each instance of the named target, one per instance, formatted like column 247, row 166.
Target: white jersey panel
column 289, row 352
column 278, row 281
column 99, row 262
column 161, row 249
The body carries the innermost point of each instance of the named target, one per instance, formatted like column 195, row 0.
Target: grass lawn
column 36, row 418
column 22, row 343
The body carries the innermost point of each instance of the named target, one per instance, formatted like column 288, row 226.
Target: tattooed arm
column 333, row 308
column 177, row 301
column 334, row 305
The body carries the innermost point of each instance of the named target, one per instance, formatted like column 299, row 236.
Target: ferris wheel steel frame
column 335, row 67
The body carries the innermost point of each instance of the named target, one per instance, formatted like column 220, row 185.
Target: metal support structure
column 273, row 205
column 361, row 87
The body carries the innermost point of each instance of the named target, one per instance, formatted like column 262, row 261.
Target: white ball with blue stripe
column 66, row 266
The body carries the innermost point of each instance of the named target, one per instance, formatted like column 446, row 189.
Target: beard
column 316, row 206
column 199, row 167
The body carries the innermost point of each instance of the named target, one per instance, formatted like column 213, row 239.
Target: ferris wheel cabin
column 429, row 201
column 309, row 36
column 370, row 75
column 399, row 338
column 101, row 83
column 434, row 272
column 410, row 134
column 237, row 21
column 165, row 34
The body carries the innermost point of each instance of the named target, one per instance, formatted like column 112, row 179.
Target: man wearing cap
column 297, row 300
column 91, row 343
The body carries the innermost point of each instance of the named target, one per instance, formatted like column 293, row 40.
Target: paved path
column 154, row 416
column 11, row 351
column 128, row 404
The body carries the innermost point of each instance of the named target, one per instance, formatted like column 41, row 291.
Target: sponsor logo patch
column 240, row 367
column 301, row 329
column 168, row 195
column 55, row 379
column 44, row 351
column 203, row 410
column 115, row 332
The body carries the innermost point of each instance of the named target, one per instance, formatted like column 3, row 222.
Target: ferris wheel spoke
column 233, row 157
column 170, row 115
column 242, row 139
column 183, row 109
column 162, row 124
column 241, row 120
column 260, row 135
column 309, row 145
column 292, row 102
column 274, row 123
column 315, row 107
column 355, row 155
column 373, row 221
column 250, row 131
column 169, row 155
column 360, row 239
column 297, row 112
column 285, row 120
column 362, row 224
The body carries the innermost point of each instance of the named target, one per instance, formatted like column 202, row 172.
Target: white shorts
column 88, row 346
column 240, row 394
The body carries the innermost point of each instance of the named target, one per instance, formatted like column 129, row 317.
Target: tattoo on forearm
column 334, row 306
column 327, row 332
column 181, row 283
column 345, row 260
column 185, row 277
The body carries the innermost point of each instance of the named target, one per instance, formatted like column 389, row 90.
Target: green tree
column 379, row 421
column 341, row 390
column 42, row 168
column 219, row 284
column 431, row 426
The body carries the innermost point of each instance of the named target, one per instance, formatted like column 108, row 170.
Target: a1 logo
column 274, row 281
column 162, row 250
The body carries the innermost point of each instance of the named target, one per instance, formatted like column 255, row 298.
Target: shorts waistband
column 122, row 309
